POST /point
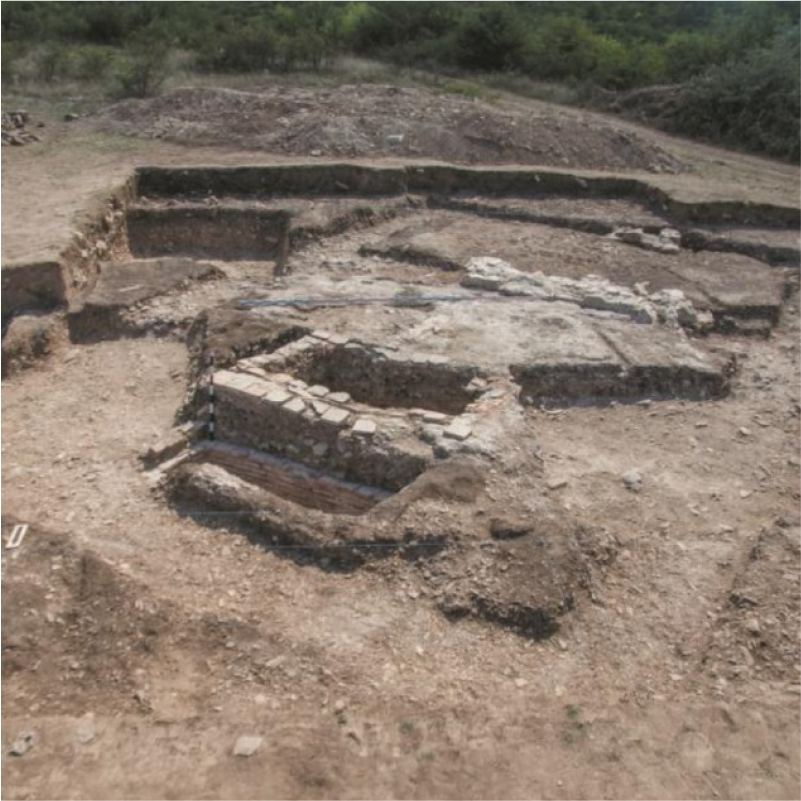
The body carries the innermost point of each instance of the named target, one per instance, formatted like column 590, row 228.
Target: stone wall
column 285, row 418
column 424, row 382
column 586, row 383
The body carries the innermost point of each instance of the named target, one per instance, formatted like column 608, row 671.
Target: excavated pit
column 203, row 231
column 297, row 483
column 322, row 416
column 361, row 412
column 371, row 376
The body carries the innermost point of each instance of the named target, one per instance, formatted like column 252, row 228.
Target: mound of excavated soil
column 374, row 121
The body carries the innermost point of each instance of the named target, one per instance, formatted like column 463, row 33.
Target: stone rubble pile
column 14, row 130
column 668, row 306
column 667, row 241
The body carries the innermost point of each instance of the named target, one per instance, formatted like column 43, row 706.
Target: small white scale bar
column 17, row 535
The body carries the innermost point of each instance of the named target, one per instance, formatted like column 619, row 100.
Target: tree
column 490, row 38
column 146, row 62
column 564, row 47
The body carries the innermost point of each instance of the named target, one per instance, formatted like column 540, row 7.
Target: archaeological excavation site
column 424, row 455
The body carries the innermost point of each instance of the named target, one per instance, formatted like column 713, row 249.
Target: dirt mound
column 28, row 338
column 73, row 620
column 374, row 121
column 80, row 634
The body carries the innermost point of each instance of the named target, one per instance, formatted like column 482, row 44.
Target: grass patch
column 472, row 91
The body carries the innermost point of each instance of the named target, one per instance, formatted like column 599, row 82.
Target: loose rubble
column 15, row 128
column 668, row 306
column 668, row 240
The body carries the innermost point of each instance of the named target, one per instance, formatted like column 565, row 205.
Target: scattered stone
column 633, row 480
column 340, row 705
column 85, row 731
column 318, row 390
column 295, row 405
column 320, row 407
column 430, row 434
column 22, row 744
column 320, row 449
column 752, row 626
column 278, row 396
column 247, row 745
column 745, row 432
column 434, row 417
column 668, row 240
column 336, row 416
column 510, row 528
column 459, row 430
column 669, row 306
column 339, row 397
column 557, row 483
column 487, row 272
column 365, row 427
column 477, row 385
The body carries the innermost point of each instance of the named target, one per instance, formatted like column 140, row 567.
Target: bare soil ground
column 139, row 644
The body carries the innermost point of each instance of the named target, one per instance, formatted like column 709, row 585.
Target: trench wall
column 387, row 383
column 345, row 179
column 209, row 232
column 589, row 383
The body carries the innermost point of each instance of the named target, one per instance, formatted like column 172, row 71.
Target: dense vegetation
column 738, row 60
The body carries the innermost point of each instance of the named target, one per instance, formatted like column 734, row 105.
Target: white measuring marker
column 17, row 535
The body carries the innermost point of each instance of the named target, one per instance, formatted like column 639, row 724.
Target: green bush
column 423, row 54
column 473, row 91
column 564, row 47
column 145, row 63
column 90, row 62
column 687, row 54
column 10, row 56
column 490, row 38
column 252, row 49
column 752, row 103
column 50, row 62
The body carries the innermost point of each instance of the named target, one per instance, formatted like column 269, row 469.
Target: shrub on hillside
column 489, row 39
column 145, row 64
column 753, row 103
